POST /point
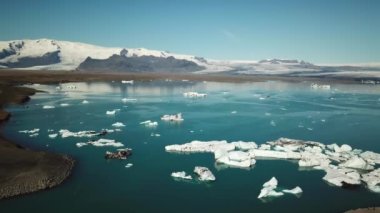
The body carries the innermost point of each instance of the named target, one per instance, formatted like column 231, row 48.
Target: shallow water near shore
column 257, row 112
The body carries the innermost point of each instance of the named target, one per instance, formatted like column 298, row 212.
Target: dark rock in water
column 121, row 63
column 350, row 186
column 46, row 59
column 120, row 154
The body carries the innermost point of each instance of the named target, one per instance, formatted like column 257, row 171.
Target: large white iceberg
column 204, row 173
column 66, row 133
column 296, row 190
column 356, row 162
column 372, row 179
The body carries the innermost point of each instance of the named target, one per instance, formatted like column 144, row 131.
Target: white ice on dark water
column 181, row 175
column 48, row 107
column 177, row 117
column 342, row 164
column 204, row 174
column 52, row 136
column 118, row 124
column 194, row 95
column 101, row 142
column 149, row 123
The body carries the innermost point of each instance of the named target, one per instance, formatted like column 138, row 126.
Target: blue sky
column 320, row 31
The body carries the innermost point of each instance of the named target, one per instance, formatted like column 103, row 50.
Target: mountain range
column 48, row 54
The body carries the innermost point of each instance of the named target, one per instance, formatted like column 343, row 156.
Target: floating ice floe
column 52, row 136
column 33, row 131
column 129, row 165
column 296, row 190
column 269, row 190
column 66, row 133
column 85, row 102
column 181, row 175
column 127, row 82
column 343, row 164
column 125, row 100
column 149, row 123
column 177, row 117
column 48, row 107
column 233, row 112
column 194, row 95
column 34, row 135
column 64, row 104
column 101, row 142
column 155, row 135
column 204, row 173
column 111, row 112
column 320, row 86
column 118, row 124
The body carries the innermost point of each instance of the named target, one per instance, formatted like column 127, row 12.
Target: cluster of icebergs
column 177, row 117
column 194, row 95
column 342, row 164
column 269, row 190
column 203, row 173
column 101, row 142
column 32, row 133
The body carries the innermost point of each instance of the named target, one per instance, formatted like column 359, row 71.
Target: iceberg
column 85, row 102
column 356, row 162
column 33, row 131
column 201, row 146
column 66, row 133
column 181, row 175
column 268, row 189
column 129, row 165
column 372, row 179
column 112, row 112
column 204, row 173
column 371, row 157
column 48, row 107
column 64, row 104
column 339, row 177
column 52, row 136
column 177, row 117
column 149, row 123
column 296, row 190
column 276, row 154
column 244, row 145
column 194, row 95
column 34, row 135
column 101, row 142
column 127, row 82
column 118, row 124
column 320, row 86
column 125, row 100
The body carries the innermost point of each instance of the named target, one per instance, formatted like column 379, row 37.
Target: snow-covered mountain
column 64, row 55
column 47, row 54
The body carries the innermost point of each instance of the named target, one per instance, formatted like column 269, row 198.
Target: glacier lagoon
column 260, row 112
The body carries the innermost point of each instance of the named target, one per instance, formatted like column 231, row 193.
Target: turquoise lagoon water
column 264, row 111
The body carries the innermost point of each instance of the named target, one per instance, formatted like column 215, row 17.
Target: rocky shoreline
column 23, row 170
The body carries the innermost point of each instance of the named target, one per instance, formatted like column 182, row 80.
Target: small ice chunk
column 149, row 123
column 295, row 190
column 372, row 179
column 111, row 112
column 85, row 102
column 52, row 136
column 129, row 165
column 48, row 107
column 177, row 117
column 204, row 173
column 118, row 124
column 33, row 135
column 233, row 112
column 194, row 95
column 127, row 82
column 181, row 175
column 33, row 131
column 125, row 100
column 64, row 104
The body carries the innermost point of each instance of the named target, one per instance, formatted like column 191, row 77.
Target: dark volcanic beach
column 22, row 170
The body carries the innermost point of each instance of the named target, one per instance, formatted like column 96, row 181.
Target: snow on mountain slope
column 71, row 54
